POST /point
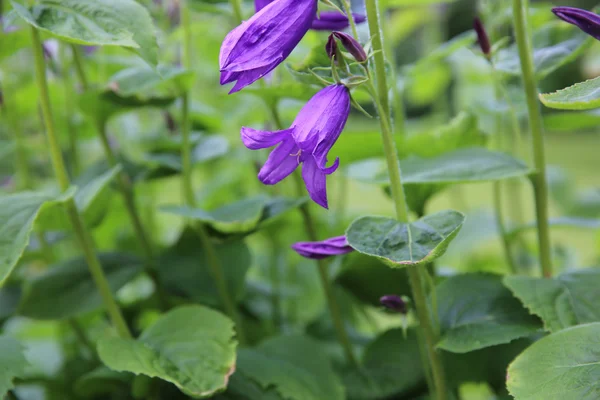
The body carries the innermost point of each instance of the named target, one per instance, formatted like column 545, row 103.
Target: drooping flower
column 587, row 21
column 325, row 21
column 257, row 46
column 312, row 134
column 326, row 248
column 394, row 303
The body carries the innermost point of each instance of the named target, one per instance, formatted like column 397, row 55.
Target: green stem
column 81, row 232
column 414, row 273
column 348, row 9
column 21, row 158
column 82, row 336
column 78, row 61
column 540, row 185
column 186, row 153
column 334, row 308
column 236, row 7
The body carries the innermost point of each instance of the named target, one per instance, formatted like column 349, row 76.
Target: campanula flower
column 394, row 303
column 258, row 45
column 323, row 249
column 312, row 134
column 325, row 21
column 587, row 21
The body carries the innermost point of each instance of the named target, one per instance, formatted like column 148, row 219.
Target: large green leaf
column 192, row 347
column 9, row 300
column 12, row 362
column 564, row 365
column 477, row 311
column 295, row 366
column 18, row 213
column 401, row 244
column 580, row 96
column 459, row 166
column 563, row 301
column 123, row 23
column 391, row 365
column 67, row 290
column 185, row 271
column 147, row 83
column 554, row 45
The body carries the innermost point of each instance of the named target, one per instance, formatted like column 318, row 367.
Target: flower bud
column 587, row 21
column 482, row 37
column 394, row 303
column 351, row 45
column 331, row 47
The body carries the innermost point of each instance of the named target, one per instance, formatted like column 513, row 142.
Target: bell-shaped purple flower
column 312, row 134
column 587, row 21
column 334, row 21
column 258, row 45
column 323, row 249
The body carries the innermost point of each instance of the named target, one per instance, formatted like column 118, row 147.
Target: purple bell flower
column 323, row 249
column 326, row 21
column 587, row 21
column 258, row 45
column 312, row 134
column 394, row 303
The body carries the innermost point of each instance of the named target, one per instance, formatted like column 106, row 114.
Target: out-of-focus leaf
column 401, row 245
column 102, row 382
column 569, row 299
column 68, row 290
column 14, row 41
column 123, row 23
column 146, row 83
column 571, row 121
column 9, row 300
column 106, row 103
column 561, row 366
column 192, row 347
column 580, row 96
column 12, row 362
column 477, row 311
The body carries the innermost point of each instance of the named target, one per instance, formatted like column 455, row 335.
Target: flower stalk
column 540, row 185
column 81, row 232
column 415, row 273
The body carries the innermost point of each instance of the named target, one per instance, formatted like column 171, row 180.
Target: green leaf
column 559, row 222
column 296, row 366
column 12, row 362
column 92, row 198
column 184, row 268
column 477, row 311
column 146, row 83
column 68, row 290
column 580, row 96
column 459, row 166
column 554, row 45
column 192, row 347
column 566, row 300
column 401, row 244
column 571, row 121
column 10, row 296
column 18, row 213
column 123, row 23
column 14, row 41
column 391, row 365
column 102, row 382
column 564, row 365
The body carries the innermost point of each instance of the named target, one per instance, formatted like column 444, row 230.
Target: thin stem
column 236, row 7
column 348, row 9
column 540, row 185
column 82, row 336
column 414, row 273
column 81, row 232
column 275, row 278
column 186, row 153
column 78, row 61
column 334, row 308
column 21, row 158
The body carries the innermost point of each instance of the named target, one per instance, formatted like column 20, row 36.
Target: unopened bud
column 482, row 37
column 394, row 303
column 331, row 47
column 350, row 44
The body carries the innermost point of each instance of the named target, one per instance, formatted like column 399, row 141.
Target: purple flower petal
column 326, row 248
column 258, row 45
column 394, row 303
column 281, row 162
column 255, row 139
column 315, row 181
column 334, row 21
column 585, row 20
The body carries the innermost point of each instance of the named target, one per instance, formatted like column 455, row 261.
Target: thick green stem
column 540, row 185
column 81, row 232
column 236, row 7
column 332, row 303
column 391, row 153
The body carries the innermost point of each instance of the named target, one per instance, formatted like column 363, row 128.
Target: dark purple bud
column 482, row 37
column 352, row 46
column 170, row 122
column 323, row 249
column 587, row 21
column 1, row 99
column 394, row 303
column 331, row 47
column 334, row 21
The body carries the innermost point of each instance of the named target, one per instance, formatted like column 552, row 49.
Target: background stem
column 236, row 7
column 348, row 9
column 540, row 185
column 81, row 232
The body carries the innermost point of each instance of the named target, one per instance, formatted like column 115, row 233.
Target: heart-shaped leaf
column 477, row 311
column 580, row 96
column 192, row 347
column 18, row 213
column 401, row 244
column 12, row 363
column 123, row 23
column 564, row 365
column 67, row 290
column 563, row 301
